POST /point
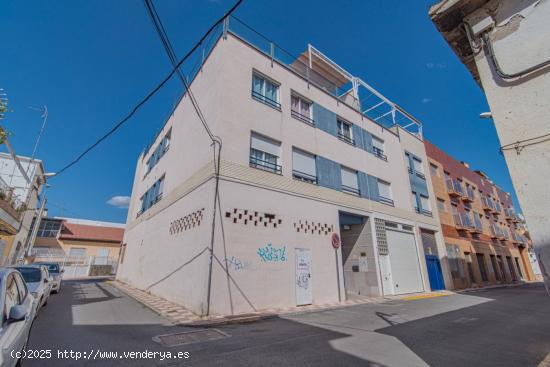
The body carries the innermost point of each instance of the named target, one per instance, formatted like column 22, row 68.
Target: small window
column 345, row 132
column 159, row 152
column 441, row 205
column 266, row 91
column 265, row 154
column 303, row 166
column 384, row 192
column 434, row 170
column 152, row 195
column 301, row 109
column 414, row 201
column 378, row 148
column 349, row 181
column 425, row 205
column 418, row 167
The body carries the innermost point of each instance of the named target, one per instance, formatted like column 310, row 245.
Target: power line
column 216, row 141
column 151, row 93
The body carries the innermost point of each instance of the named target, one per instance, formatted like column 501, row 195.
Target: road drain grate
column 189, row 337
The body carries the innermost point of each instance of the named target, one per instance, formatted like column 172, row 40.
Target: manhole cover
column 188, row 337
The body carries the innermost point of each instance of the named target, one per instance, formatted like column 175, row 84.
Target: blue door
column 434, row 273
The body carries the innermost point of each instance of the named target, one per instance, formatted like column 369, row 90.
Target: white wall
column 521, row 107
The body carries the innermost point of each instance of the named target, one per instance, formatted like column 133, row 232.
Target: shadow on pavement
column 513, row 330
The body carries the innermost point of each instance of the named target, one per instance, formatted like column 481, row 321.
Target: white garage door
column 405, row 269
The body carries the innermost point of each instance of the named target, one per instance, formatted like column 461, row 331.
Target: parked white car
column 18, row 311
column 56, row 274
column 38, row 282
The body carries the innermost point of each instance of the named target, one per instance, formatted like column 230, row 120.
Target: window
column 48, row 227
column 152, row 195
column 434, row 171
column 77, row 252
column 301, row 109
column 303, row 166
column 417, row 165
column 266, row 91
column 349, row 181
column 441, row 205
column 384, row 192
column 21, row 287
column 378, row 148
column 12, row 296
column 345, row 131
column 425, row 205
column 265, row 153
column 159, row 152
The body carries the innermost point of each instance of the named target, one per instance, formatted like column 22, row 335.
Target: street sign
column 335, row 240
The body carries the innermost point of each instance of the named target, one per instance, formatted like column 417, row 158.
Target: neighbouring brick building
column 485, row 238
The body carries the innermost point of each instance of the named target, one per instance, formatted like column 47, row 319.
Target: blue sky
column 91, row 61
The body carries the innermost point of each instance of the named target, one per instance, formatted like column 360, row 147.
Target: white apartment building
column 302, row 167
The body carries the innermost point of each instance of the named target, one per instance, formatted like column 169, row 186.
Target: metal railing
column 463, row 221
column 350, row 190
column 497, row 232
column 379, row 153
column 347, row 88
column 423, row 211
column 470, row 196
column 265, row 165
column 297, row 115
column 419, row 174
column 454, row 187
column 487, row 203
column 385, row 200
column 346, row 138
column 302, row 176
column 264, row 99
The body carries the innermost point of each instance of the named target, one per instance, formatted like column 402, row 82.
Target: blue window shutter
column 367, row 141
column 418, row 184
column 363, row 184
column 358, row 136
column 328, row 173
column 373, row 187
column 325, row 119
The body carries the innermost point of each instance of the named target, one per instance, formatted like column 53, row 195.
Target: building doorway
column 433, row 265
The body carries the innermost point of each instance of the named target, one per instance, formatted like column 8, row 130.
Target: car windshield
column 31, row 275
column 52, row 268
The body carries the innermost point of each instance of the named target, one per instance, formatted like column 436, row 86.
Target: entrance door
column 385, row 272
column 434, row 273
column 303, row 276
column 405, row 268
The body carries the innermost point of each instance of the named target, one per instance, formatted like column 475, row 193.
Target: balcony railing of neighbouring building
column 469, row 194
column 487, row 203
column 454, row 187
column 463, row 221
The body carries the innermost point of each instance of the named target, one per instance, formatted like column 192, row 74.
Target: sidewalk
column 182, row 316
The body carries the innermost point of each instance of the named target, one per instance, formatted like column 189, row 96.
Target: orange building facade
column 486, row 240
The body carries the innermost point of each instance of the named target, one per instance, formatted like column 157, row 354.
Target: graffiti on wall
column 237, row 264
column 272, row 254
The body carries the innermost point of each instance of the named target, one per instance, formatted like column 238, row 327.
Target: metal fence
column 78, row 266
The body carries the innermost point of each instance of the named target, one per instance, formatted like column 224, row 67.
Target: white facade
column 508, row 53
column 273, row 225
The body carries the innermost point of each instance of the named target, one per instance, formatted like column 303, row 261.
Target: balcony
column 265, row 165
column 510, row 215
column 11, row 209
column 477, row 225
column 487, row 204
column 350, row 190
column 379, row 153
column 497, row 208
column 497, row 232
column 454, row 187
column 306, row 177
column 346, row 138
column 463, row 221
column 469, row 195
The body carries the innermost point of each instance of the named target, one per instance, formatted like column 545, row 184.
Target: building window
column 345, row 131
column 414, row 200
column 159, row 152
column 301, row 109
column 266, row 91
column 349, row 181
column 441, row 205
column 384, row 192
column 434, row 171
column 425, row 205
column 265, row 154
column 418, row 168
column 303, row 166
column 152, row 195
column 48, row 227
column 378, row 148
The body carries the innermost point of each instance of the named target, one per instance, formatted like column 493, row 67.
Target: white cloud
column 119, row 202
column 426, row 100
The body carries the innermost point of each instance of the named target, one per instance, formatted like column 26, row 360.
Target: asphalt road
column 498, row 327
